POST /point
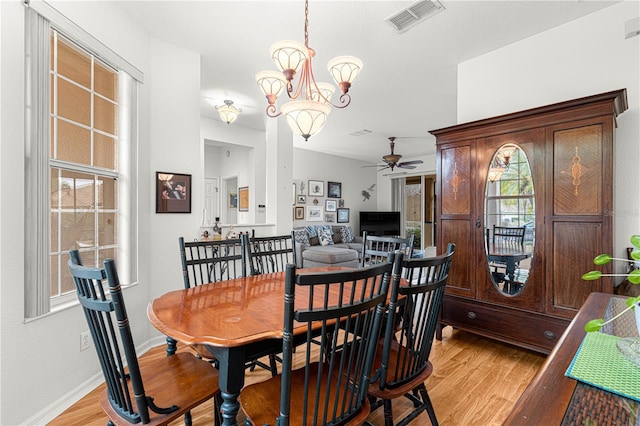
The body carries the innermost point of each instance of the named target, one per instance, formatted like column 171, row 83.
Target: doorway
column 230, row 200
column 419, row 210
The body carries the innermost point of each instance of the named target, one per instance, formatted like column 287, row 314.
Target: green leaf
column 592, row 275
column 634, row 276
column 635, row 254
column 631, row 301
column 635, row 240
column 603, row 259
column 594, row 325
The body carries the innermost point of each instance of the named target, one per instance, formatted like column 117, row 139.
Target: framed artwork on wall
column 233, row 200
column 330, row 205
column 243, row 199
column 334, row 189
column 314, row 213
column 302, row 199
column 173, row 193
column 316, row 188
column 298, row 213
column 343, row 215
column 330, row 217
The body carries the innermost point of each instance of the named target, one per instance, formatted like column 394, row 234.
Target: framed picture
column 330, row 217
column 233, row 200
column 294, row 194
column 343, row 215
column 340, row 203
column 314, row 213
column 243, row 199
column 302, row 199
column 298, row 213
column 334, row 189
column 316, row 188
column 173, row 193
column 330, row 205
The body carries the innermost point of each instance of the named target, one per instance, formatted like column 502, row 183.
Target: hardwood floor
column 476, row 381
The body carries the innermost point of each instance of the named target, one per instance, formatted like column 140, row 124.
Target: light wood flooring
column 476, row 381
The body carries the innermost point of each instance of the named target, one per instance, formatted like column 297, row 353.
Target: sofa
column 326, row 245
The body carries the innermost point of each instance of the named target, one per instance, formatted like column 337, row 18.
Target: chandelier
column 500, row 162
column 228, row 113
column 310, row 102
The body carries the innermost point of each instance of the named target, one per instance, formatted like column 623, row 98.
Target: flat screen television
column 380, row 223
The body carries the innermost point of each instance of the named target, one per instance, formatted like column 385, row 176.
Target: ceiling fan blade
column 410, row 162
column 375, row 165
column 404, row 166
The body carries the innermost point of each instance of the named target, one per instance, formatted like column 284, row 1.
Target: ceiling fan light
column 344, row 70
column 271, row 83
column 326, row 90
column 306, row 118
column 289, row 55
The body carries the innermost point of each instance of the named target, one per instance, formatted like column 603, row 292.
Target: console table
column 553, row 399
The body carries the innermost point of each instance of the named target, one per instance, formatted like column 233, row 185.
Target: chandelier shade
column 228, row 113
column 306, row 118
column 310, row 100
column 344, row 69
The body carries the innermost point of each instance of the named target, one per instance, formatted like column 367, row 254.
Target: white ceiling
column 408, row 83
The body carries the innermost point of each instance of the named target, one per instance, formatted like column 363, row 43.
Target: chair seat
column 174, row 380
column 401, row 389
column 261, row 401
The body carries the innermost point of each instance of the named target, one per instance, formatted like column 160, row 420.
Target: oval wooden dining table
column 238, row 320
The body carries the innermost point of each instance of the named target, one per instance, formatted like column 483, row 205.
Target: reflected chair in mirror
column 325, row 384
column 265, row 255
column 402, row 360
column 502, row 240
column 147, row 391
column 205, row 262
column 375, row 249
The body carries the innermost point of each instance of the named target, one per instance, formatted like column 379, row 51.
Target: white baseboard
column 58, row 406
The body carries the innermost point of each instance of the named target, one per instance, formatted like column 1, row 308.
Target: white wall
column 584, row 57
column 324, row 167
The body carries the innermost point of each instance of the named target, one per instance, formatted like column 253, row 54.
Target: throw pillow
column 301, row 236
column 311, row 231
column 324, row 228
column 347, row 234
column 325, row 238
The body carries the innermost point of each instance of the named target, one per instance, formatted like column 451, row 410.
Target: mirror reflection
column 509, row 219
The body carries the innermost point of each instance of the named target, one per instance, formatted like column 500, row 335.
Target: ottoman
column 329, row 256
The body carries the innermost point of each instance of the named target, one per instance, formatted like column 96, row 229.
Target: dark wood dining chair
column 504, row 238
column 265, row 255
column 376, row 248
column 325, row 384
column 402, row 360
column 153, row 392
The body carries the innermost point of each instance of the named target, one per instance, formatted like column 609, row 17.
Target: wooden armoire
column 570, row 150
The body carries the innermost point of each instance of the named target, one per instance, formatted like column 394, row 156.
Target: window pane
column 107, row 254
column 74, row 143
column 105, row 115
column 105, row 154
column 106, row 229
column 106, row 82
column 78, row 230
column 77, row 190
column 74, row 103
column 74, row 64
column 54, row 232
column 107, row 196
column 53, row 275
column 66, row 282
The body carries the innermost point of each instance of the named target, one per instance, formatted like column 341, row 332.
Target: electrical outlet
column 85, row 340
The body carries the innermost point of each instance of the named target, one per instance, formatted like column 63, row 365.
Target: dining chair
column 402, row 360
column 376, row 248
column 504, row 238
column 325, row 384
column 268, row 254
column 151, row 391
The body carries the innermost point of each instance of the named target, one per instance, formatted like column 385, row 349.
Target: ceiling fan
column 393, row 160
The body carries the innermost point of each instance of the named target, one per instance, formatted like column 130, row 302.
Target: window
column 83, row 160
column 80, row 158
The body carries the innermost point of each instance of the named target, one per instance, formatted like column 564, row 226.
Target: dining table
column 238, row 320
column 509, row 256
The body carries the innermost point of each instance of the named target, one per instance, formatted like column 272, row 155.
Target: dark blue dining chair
column 326, row 382
column 148, row 391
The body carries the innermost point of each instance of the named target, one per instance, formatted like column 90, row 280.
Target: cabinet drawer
column 525, row 329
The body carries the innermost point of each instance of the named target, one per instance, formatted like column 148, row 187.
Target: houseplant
column 633, row 276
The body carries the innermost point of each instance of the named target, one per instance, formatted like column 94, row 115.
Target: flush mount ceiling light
column 228, row 113
column 310, row 102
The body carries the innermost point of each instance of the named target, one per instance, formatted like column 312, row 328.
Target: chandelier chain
column 306, row 23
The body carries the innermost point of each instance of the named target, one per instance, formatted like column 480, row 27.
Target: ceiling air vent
column 417, row 12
